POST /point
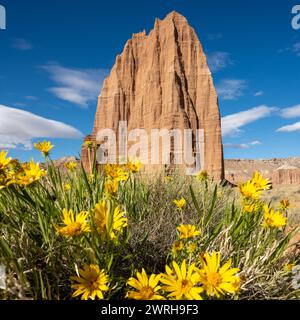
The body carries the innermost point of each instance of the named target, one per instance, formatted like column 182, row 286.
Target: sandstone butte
column 162, row 80
column 286, row 175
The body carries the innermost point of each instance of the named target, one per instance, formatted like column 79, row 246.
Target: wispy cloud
column 78, row 86
column 233, row 123
column 19, row 127
column 258, row 94
column 33, row 98
column 242, row 145
column 22, row 44
column 218, row 60
column 295, row 48
column 291, row 112
column 290, row 128
column 236, row 146
column 231, row 89
column 255, row 143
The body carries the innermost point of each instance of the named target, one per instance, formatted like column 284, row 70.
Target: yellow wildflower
column 107, row 225
column 218, row 280
column 3, row 181
column 119, row 222
column 74, row 226
column 182, row 282
column 259, row 182
column 202, row 175
column 67, row 187
column 88, row 144
column 91, row 283
column 284, row 204
column 188, row 231
column 253, row 188
column 115, row 172
column 180, row 203
column 111, row 187
column 9, row 172
column 249, row 191
column 146, row 288
column 192, row 247
column 289, row 267
column 273, row 219
column 44, row 147
column 4, row 161
column 168, row 178
column 31, row 172
column 6, row 178
column 71, row 165
column 177, row 246
column 250, row 207
column 134, row 166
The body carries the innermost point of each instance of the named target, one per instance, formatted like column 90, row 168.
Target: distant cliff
column 282, row 171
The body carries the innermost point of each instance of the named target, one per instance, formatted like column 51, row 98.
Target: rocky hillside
column 280, row 170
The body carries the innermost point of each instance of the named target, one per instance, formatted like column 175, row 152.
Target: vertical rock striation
column 162, row 80
column 286, row 175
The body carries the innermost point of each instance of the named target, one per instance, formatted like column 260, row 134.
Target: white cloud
column 19, row 127
column 79, row 86
column 290, row 128
column 255, row 143
column 22, row 44
column 71, row 95
column 242, row 145
column 292, row 112
column 218, row 60
column 231, row 124
column 231, row 89
column 236, row 146
column 258, row 94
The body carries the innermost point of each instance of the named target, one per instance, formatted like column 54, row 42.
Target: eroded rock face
column 286, row 175
column 162, row 80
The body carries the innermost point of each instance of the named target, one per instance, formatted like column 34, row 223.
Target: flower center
column 74, row 228
column 93, row 283
column 214, row 279
column 186, row 286
column 147, row 292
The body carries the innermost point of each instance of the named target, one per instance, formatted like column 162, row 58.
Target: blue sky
column 55, row 54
